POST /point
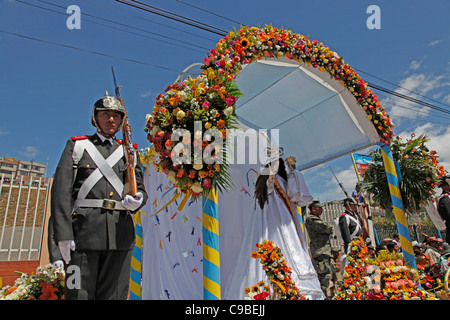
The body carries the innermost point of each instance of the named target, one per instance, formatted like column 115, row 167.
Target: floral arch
column 212, row 96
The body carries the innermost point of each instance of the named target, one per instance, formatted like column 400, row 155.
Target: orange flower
column 274, row 256
column 220, row 124
column 10, row 290
column 48, row 292
column 180, row 173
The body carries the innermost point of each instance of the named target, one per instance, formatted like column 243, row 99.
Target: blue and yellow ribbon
column 211, row 252
column 397, row 203
column 300, row 218
column 136, row 260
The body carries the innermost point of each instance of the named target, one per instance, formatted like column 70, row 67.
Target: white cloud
column 146, row 94
column 329, row 188
column 3, row 132
column 414, row 65
column 439, row 137
column 419, row 83
column 30, row 152
column 447, row 99
column 433, row 43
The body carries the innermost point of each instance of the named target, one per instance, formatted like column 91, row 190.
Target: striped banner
column 300, row 217
column 211, row 252
column 136, row 260
column 399, row 211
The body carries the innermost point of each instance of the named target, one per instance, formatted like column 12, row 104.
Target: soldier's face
column 109, row 121
column 317, row 211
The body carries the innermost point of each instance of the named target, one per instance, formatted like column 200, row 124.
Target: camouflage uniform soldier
column 319, row 233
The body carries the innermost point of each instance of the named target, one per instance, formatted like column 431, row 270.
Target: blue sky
column 48, row 90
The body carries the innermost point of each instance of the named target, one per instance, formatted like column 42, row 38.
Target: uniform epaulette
column 80, row 138
column 121, row 142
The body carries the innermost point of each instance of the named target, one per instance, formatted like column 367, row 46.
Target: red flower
column 48, row 292
column 261, row 296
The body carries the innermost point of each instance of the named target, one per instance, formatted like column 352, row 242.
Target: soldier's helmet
column 106, row 103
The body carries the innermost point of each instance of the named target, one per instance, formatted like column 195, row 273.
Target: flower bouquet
column 278, row 273
column 46, row 284
column 188, row 130
column 393, row 279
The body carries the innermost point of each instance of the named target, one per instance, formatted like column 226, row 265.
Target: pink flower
column 207, row 61
column 207, row 183
column 230, row 100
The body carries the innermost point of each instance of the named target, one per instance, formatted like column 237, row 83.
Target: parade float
column 280, row 84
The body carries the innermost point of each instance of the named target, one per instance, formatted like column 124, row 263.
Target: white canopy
column 318, row 118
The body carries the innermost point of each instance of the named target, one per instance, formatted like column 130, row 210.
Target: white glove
column 58, row 264
column 131, row 203
column 65, row 247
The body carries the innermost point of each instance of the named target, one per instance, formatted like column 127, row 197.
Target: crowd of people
column 432, row 255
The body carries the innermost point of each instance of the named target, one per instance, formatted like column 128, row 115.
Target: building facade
column 12, row 168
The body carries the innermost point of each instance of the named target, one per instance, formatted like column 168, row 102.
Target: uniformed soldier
column 444, row 204
column 319, row 232
column 92, row 220
column 349, row 223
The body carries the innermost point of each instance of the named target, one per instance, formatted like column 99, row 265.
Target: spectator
column 434, row 248
column 358, row 194
column 444, row 259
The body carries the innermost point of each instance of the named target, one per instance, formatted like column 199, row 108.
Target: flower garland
column 353, row 285
column 46, row 284
column 277, row 271
column 211, row 99
column 251, row 43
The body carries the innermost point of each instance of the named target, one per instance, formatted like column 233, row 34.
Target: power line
column 208, row 28
column 173, row 16
column 425, row 104
column 116, row 28
column 398, row 86
column 182, row 19
column 210, row 12
column 87, row 51
column 172, row 28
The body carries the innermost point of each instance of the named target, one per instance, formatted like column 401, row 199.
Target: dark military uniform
column 319, row 232
column 444, row 212
column 350, row 227
column 104, row 238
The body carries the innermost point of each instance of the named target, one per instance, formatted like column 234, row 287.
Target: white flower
column 182, row 95
column 228, row 111
column 171, row 176
column 196, row 187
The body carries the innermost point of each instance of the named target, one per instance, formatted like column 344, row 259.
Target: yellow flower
column 175, row 111
column 180, row 114
column 200, row 89
column 208, row 125
column 245, row 43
